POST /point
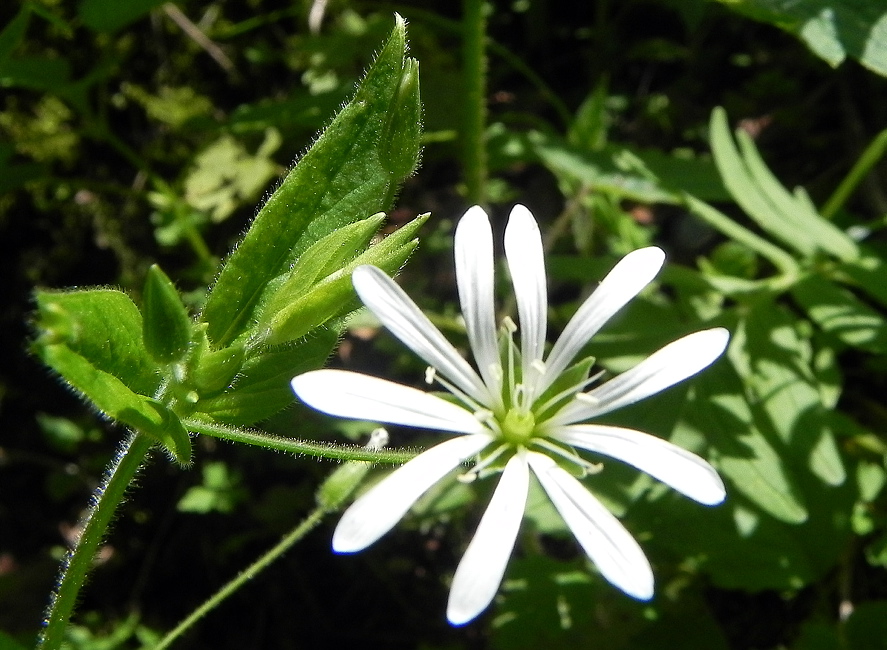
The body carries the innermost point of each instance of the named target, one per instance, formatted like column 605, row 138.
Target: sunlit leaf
column 340, row 180
column 774, row 361
column 841, row 314
column 833, row 29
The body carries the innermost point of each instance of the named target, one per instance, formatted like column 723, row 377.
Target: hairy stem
column 104, row 503
column 475, row 118
column 295, row 446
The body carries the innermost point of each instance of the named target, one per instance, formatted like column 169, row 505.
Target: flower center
column 518, row 426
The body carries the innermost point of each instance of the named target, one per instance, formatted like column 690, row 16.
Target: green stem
column 245, row 576
column 77, row 564
column 475, row 79
column 292, row 445
column 869, row 158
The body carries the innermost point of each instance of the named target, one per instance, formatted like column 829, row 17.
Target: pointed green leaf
column 104, row 327
column 401, row 135
column 790, row 219
column 214, row 370
column 113, row 398
column 339, row 180
column 323, row 258
column 334, row 295
column 775, row 362
column 166, row 326
column 797, row 209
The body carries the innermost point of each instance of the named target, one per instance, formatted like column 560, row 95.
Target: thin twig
column 195, row 34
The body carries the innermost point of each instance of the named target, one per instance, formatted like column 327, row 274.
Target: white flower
column 520, row 411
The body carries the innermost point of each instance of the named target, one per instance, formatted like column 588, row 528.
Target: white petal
column 474, row 276
column 684, row 471
column 606, row 541
column 353, row 395
column 407, row 322
column 668, row 366
column 633, row 272
column 480, row 572
column 375, row 512
column 526, row 263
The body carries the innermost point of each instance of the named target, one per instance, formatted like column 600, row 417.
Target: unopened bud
column 342, row 483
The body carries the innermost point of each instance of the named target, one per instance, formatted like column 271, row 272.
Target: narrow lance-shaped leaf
column 787, row 217
column 334, row 295
column 339, row 180
column 322, row 259
column 795, row 208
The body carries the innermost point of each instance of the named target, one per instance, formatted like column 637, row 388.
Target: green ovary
column 518, row 427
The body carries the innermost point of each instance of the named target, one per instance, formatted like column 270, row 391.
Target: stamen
column 587, row 467
column 509, row 325
column 430, row 373
column 588, row 399
column 575, row 389
column 436, row 376
column 378, row 439
column 518, row 398
column 488, row 418
column 538, row 365
column 475, row 472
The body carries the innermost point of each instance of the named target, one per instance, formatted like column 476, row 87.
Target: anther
column 378, row 439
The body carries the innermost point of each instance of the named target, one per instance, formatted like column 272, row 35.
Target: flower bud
column 345, row 479
column 166, row 326
column 401, row 135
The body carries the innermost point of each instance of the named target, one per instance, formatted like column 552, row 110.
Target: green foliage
column 342, row 178
column 832, row 29
column 166, row 327
column 122, row 153
column 150, row 369
column 220, row 491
